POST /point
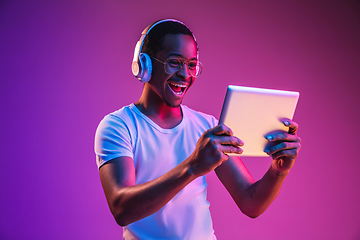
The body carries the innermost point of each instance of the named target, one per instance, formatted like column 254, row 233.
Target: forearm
column 129, row 202
column 262, row 193
column 132, row 203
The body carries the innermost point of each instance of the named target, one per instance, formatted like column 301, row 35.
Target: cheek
column 158, row 81
column 158, row 71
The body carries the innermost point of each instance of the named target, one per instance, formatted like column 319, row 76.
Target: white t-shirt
column 154, row 150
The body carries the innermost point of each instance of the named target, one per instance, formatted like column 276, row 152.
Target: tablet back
column 252, row 113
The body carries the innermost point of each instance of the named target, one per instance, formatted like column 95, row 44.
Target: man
column 153, row 155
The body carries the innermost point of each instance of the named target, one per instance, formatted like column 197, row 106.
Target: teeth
column 182, row 86
column 179, row 85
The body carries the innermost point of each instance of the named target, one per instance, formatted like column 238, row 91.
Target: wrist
column 279, row 173
column 190, row 170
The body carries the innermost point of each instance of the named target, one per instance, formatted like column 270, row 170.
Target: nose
column 184, row 71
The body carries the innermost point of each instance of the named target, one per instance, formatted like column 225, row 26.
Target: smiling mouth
column 177, row 88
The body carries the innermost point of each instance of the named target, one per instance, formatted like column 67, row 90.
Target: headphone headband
column 141, row 65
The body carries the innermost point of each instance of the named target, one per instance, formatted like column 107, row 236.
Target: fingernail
column 267, row 151
column 287, row 123
column 269, row 137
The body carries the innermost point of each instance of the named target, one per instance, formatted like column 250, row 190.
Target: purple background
column 65, row 64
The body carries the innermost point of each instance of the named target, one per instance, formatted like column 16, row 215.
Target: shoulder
column 118, row 120
column 122, row 115
column 200, row 117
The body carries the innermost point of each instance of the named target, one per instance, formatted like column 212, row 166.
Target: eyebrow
column 180, row 56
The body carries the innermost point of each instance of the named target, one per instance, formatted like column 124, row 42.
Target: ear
column 145, row 67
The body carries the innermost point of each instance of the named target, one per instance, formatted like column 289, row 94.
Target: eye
column 192, row 65
column 173, row 62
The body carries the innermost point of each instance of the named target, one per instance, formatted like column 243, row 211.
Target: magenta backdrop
column 65, row 64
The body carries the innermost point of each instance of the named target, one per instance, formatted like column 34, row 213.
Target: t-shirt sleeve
column 112, row 140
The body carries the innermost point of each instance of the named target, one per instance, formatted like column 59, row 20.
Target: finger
column 221, row 129
column 282, row 136
column 289, row 153
column 293, row 126
column 230, row 149
column 283, row 146
column 228, row 140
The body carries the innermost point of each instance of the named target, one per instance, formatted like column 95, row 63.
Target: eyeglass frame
column 199, row 66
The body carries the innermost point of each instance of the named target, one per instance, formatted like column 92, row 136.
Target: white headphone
column 141, row 66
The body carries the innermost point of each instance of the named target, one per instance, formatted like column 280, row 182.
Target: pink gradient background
column 65, row 64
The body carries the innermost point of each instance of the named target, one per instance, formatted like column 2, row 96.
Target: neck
column 157, row 110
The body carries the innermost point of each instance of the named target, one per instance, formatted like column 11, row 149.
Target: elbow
column 121, row 221
column 252, row 210
column 254, row 213
column 119, row 214
column 119, row 209
column 121, row 218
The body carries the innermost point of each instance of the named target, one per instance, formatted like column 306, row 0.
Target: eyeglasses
column 172, row 65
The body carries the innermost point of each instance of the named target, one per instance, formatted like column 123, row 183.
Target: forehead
column 179, row 44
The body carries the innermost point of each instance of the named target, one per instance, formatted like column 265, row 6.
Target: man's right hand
column 212, row 148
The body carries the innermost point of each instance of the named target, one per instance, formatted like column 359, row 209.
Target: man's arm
column 253, row 198
column 129, row 202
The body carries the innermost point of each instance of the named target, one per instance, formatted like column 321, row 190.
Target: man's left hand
column 283, row 148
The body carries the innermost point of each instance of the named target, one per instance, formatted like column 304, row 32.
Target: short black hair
column 154, row 39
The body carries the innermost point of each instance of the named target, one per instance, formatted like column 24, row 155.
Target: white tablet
column 252, row 113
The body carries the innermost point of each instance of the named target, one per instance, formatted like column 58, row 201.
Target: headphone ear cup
column 146, row 67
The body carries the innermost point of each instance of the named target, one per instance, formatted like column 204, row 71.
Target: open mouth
column 177, row 88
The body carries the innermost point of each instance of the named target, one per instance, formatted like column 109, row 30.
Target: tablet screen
column 252, row 113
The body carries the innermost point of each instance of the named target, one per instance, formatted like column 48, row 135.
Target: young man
column 153, row 155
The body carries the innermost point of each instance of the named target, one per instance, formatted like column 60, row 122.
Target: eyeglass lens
column 174, row 64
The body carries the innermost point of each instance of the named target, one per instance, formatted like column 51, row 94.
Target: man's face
column 171, row 88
